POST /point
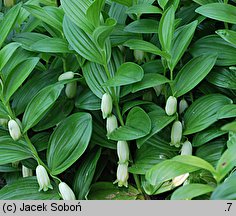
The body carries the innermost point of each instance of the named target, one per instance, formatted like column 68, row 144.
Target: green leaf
column 108, row 191
column 227, row 111
column 84, row 175
column 149, row 80
column 182, row 38
column 143, row 9
column 187, row 192
column 212, row 45
column 229, row 127
column 162, row 3
column 12, row 151
column 3, row 111
column 142, row 26
column 37, row 81
column 27, row 189
column 87, row 100
column 137, row 125
column 219, row 11
column 51, row 45
column 6, row 53
column 82, row 43
column 226, row 163
column 227, row 35
column 166, row 33
column 102, row 32
column 202, row 2
column 124, row 2
column 41, row 103
column 145, row 46
column 223, row 78
column 69, row 141
column 50, row 15
column 76, row 10
column 18, row 75
column 206, row 136
column 203, row 112
column 192, row 74
column 176, row 166
column 93, row 12
column 8, row 22
column 127, row 73
column 159, row 120
column 226, row 190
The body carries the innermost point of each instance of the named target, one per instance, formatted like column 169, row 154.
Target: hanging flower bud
column 43, row 179
column 177, row 181
column 176, row 133
column 9, row 3
column 123, row 152
column 158, row 89
column 26, row 172
column 3, row 122
column 66, row 76
column 183, row 105
column 187, row 148
column 14, row 129
column 71, row 89
column 122, row 175
column 112, row 124
column 106, row 105
column 171, row 106
column 139, row 56
column 66, row 192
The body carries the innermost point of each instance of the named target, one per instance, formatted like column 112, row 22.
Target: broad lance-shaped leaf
column 136, row 44
column 102, row 32
column 212, row 45
column 192, row 74
column 187, row 192
column 7, row 23
column 82, row 43
column 143, row 9
column 12, row 151
column 166, row 33
column 149, row 80
column 27, row 189
column 127, row 73
column 227, row 35
column 176, row 166
column 84, row 175
column 182, row 38
column 138, row 124
column 69, row 141
column 40, row 104
column 219, row 11
column 203, row 112
column 51, row 45
column 50, row 15
column 76, row 10
column 17, row 76
column 6, row 53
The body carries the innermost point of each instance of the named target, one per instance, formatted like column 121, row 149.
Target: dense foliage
column 117, row 99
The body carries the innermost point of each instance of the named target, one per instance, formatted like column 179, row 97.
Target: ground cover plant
column 117, row 99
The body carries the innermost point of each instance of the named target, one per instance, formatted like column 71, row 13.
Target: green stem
column 64, row 64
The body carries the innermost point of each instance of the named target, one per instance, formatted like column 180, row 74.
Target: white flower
column 26, row 172
column 66, row 192
column 43, row 179
column 177, row 181
column 66, row 76
column 123, row 151
column 112, row 124
column 176, row 133
column 122, row 175
column 171, row 106
column 14, row 129
column 187, row 148
column 106, row 105
column 71, row 89
column 183, row 105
